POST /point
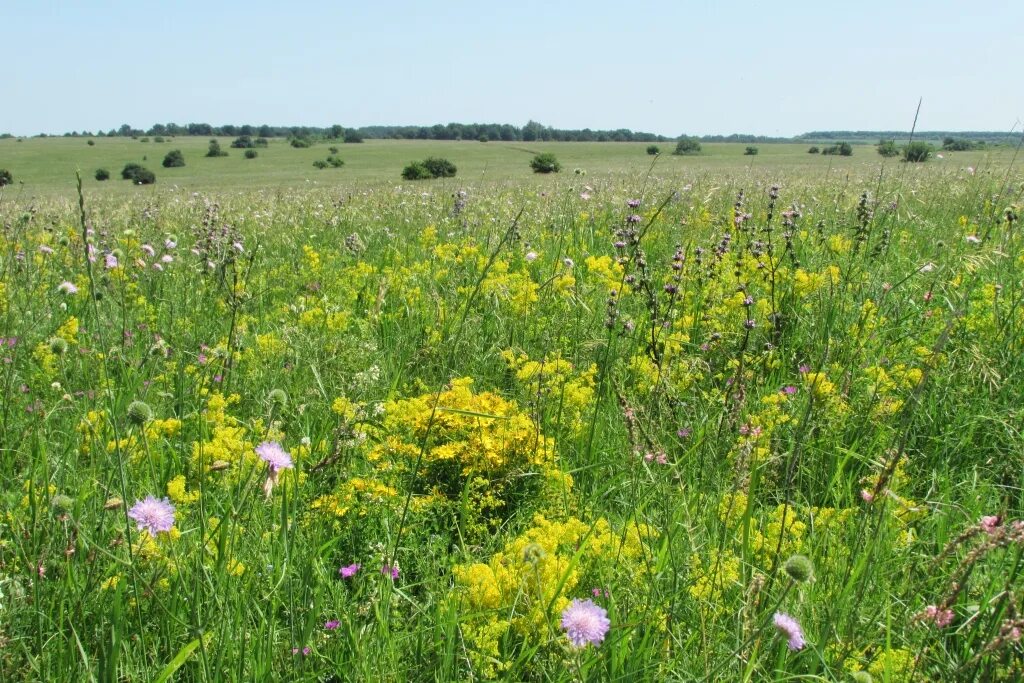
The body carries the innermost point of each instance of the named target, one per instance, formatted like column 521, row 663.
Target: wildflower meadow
column 746, row 424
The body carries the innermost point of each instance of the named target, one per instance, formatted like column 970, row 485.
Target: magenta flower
column 941, row 617
column 390, row 570
column 585, row 623
column 276, row 457
column 332, row 624
column 349, row 571
column 152, row 514
column 788, row 627
column 989, row 523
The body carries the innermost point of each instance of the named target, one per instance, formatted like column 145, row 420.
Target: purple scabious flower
column 788, row 627
column 332, row 624
column 153, row 514
column 276, row 457
column 349, row 571
column 633, row 203
column 585, row 623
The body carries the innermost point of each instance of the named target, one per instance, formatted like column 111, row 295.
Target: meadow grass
column 47, row 166
column 647, row 388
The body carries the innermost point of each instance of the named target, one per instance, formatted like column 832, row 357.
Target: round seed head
column 59, row 346
column 799, row 568
column 278, row 398
column 139, row 413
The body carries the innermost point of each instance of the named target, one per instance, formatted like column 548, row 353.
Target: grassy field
column 738, row 419
column 47, row 166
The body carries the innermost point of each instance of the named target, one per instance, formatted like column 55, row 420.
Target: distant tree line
column 483, row 132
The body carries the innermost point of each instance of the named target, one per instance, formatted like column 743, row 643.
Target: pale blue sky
column 774, row 68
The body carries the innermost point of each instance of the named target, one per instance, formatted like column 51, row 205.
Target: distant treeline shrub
column 843, row 149
column 139, row 175
column 687, row 145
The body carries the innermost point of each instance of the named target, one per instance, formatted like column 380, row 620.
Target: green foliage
column 102, row 174
column 917, row 152
column 214, row 149
column 888, row 148
column 842, row 149
column 5, row 177
column 750, row 151
column 653, row 150
column 251, row 154
column 91, row 143
column 158, row 139
column 687, row 145
column 321, row 164
column 138, row 174
column 439, row 168
column 335, row 162
column 352, row 137
column 174, row 159
column 300, row 143
column 243, row 142
column 545, row 163
column 333, row 150
column 416, row 170
column 813, row 149
column 951, row 144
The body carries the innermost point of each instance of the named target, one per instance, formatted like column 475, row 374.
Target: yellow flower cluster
column 566, row 394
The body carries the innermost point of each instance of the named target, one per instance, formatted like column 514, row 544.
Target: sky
column 670, row 67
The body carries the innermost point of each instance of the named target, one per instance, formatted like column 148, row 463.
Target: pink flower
column 585, row 623
column 276, row 457
column 390, row 570
column 349, row 571
column 940, row 617
column 787, row 626
column 990, row 523
column 152, row 514
column 867, row 496
column 110, row 261
column 332, row 624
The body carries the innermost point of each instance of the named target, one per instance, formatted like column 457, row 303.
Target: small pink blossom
column 349, row 571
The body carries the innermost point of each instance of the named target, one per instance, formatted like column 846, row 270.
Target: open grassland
column 47, row 166
column 737, row 419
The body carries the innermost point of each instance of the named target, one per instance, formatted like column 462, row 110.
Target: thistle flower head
column 276, row 457
column 153, row 514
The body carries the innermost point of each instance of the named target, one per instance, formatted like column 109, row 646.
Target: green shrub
column 416, row 171
column 653, row 150
column 483, row 138
column 5, row 177
column 102, row 174
column 300, row 143
column 335, row 162
column 813, row 150
column 545, row 163
column 139, row 175
column 352, row 136
column 129, row 170
column 214, row 150
column 750, row 151
column 174, row 159
column 90, row 142
column 960, row 144
column 261, row 142
column 687, row 145
column 440, row 168
column 243, row 142
column 888, row 148
column 917, row 152
column 842, row 149
column 333, row 150
column 158, row 138
column 251, row 154
column 320, row 163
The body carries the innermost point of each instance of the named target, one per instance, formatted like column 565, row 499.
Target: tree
column 102, row 174
column 653, row 150
column 917, row 152
column 242, row 142
column 545, row 163
column 251, row 154
column 750, row 151
column 5, row 177
column 813, row 150
column 215, row 150
column 174, row 159
column 687, row 145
